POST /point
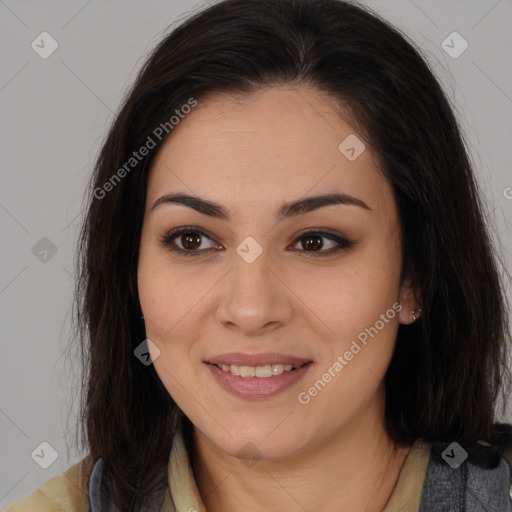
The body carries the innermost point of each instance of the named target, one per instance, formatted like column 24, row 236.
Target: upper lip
column 241, row 359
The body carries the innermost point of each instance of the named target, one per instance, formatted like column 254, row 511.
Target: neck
column 355, row 468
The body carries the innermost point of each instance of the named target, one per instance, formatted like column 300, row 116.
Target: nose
column 255, row 299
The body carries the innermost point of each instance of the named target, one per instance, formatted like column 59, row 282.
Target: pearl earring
column 413, row 313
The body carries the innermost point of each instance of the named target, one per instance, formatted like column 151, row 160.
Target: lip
column 252, row 388
column 241, row 359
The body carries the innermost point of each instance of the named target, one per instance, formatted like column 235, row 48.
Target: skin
column 251, row 154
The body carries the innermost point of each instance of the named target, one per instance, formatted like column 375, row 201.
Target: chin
column 268, row 440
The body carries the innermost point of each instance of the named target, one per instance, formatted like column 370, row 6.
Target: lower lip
column 256, row 387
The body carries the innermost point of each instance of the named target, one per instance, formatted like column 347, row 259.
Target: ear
column 410, row 304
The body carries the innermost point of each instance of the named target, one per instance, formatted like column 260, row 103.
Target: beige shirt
column 68, row 492
column 405, row 497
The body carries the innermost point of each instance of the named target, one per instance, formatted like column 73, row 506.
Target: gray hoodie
column 480, row 484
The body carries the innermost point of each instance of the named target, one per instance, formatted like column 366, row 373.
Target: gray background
column 54, row 114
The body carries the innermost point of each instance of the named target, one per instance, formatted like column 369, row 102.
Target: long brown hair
column 443, row 383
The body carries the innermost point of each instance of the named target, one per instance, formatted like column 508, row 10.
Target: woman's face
column 257, row 296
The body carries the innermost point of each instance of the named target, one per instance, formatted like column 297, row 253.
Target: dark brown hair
column 443, row 383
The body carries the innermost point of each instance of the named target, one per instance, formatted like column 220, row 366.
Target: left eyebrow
column 289, row 209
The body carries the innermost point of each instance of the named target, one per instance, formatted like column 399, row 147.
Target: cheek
column 168, row 309
column 170, row 299
column 358, row 301
column 354, row 294
column 167, row 295
column 156, row 297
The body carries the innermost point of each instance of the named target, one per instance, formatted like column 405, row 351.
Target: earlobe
column 411, row 309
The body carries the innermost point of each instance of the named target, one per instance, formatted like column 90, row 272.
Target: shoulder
column 67, row 492
column 462, row 477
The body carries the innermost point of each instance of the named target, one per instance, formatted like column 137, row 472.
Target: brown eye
column 313, row 242
column 190, row 241
column 187, row 241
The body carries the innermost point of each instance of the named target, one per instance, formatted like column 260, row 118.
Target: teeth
column 256, row 371
column 263, row 371
column 247, row 371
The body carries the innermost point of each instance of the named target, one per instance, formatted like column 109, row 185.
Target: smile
column 257, row 382
column 262, row 372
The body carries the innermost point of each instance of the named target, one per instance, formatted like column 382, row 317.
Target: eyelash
column 168, row 241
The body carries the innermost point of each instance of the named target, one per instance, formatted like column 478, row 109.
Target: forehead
column 275, row 144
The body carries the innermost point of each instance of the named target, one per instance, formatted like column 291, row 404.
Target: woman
column 287, row 297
